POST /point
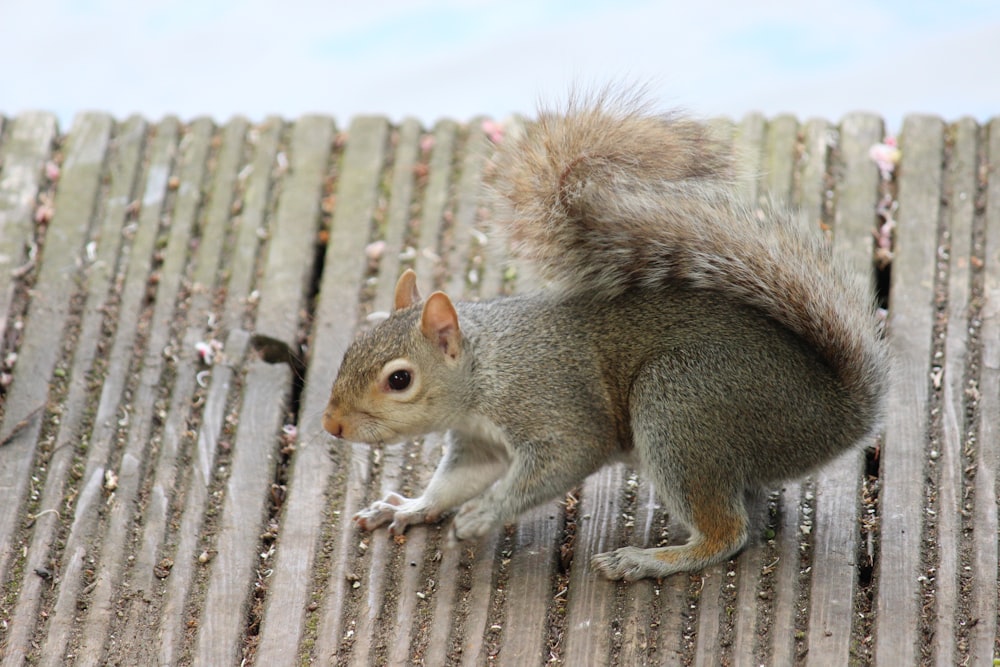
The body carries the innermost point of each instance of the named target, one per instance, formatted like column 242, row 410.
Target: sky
column 460, row 59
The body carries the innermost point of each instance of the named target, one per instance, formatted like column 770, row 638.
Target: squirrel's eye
column 399, row 380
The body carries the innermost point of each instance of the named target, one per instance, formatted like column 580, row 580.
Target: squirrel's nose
column 333, row 424
column 334, row 427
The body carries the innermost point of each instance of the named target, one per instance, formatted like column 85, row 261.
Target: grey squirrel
column 718, row 352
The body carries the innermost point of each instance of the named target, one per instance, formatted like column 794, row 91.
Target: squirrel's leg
column 531, row 479
column 676, row 449
column 466, row 468
column 719, row 528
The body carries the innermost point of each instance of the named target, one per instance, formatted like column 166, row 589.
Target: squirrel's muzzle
column 333, row 421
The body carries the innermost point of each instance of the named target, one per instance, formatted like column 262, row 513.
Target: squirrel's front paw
column 472, row 521
column 400, row 510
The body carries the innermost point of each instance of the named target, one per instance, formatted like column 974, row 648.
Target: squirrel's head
column 404, row 377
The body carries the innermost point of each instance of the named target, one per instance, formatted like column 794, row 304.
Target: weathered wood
column 206, row 261
column 589, row 609
column 258, row 181
column 984, row 634
column 428, row 264
column 459, row 619
column 418, row 592
column 26, row 147
column 529, row 587
column 241, row 251
column 357, row 197
column 837, row 488
column 911, row 324
column 112, row 413
column 130, row 468
column 135, row 642
column 398, row 211
column 47, row 315
column 959, row 200
column 192, row 547
column 468, row 199
column 640, row 635
column 809, row 197
column 220, row 236
column 286, row 273
column 123, row 168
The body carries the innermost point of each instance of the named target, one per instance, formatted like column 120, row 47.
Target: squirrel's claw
column 400, row 510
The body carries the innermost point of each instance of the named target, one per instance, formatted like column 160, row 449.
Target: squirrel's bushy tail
column 606, row 197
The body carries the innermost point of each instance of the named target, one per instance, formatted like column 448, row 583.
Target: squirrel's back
column 606, row 197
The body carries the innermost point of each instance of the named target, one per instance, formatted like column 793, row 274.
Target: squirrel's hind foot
column 633, row 563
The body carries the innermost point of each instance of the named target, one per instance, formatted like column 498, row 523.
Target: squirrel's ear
column 406, row 291
column 439, row 324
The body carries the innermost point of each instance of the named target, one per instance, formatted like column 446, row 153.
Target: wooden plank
column 398, row 211
column 809, row 197
column 393, row 572
column 468, row 200
column 336, row 320
column 589, row 611
column 287, row 271
column 357, row 197
column 748, row 143
column 787, row 576
column 206, row 260
column 332, row 637
column 465, row 593
column 391, row 566
column 983, row 641
column 911, row 323
column 48, row 312
column 111, row 413
column 960, row 200
column 777, row 151
column 779, row 157
column 128, row 465
column 173, row 622
column 26, row 147
column 123, row 169
column 425, row 591
column 428, row 263
column 497, row 270
column 640, row 632
column 837, row 489
column 255, row 181
column 529, row 588
column 136, row 642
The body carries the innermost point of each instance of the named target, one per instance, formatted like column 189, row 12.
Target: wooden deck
column 158, row 510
